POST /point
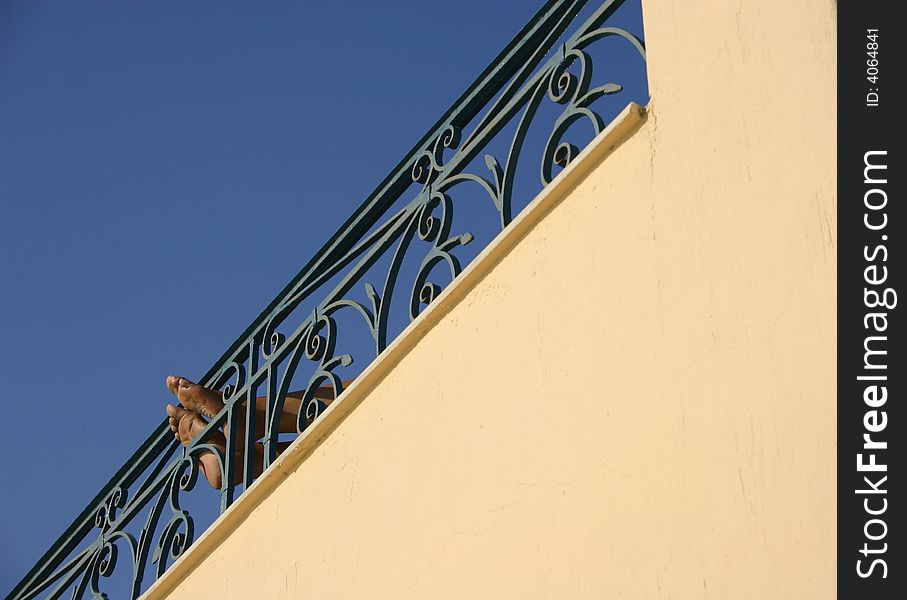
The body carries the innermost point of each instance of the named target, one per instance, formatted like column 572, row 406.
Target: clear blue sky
column 165, row 168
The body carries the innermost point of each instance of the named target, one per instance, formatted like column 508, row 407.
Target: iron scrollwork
column 406, row 235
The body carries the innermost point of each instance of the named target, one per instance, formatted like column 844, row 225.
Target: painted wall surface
column 637, row 400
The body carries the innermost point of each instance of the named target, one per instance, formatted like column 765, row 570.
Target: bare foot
column 186, row 425
column 195, row 397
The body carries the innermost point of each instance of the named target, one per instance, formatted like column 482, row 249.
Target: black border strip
column 871, row 366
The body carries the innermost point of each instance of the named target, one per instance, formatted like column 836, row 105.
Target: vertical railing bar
column 228, row 485
column 249, row 441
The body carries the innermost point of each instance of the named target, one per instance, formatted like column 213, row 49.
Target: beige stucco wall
column 635, row 400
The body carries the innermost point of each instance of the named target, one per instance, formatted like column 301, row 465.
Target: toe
column 172, row 382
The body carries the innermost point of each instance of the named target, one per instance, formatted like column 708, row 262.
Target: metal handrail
column 513, row 84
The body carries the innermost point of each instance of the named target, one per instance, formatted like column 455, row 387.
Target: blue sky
column 165, row 168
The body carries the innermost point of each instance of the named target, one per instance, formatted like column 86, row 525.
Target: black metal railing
column 373, row 276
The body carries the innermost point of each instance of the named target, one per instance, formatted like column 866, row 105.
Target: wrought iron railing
column 351, row 289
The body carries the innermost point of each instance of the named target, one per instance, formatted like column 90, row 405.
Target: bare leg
column 292, row 405
column 208, row 403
